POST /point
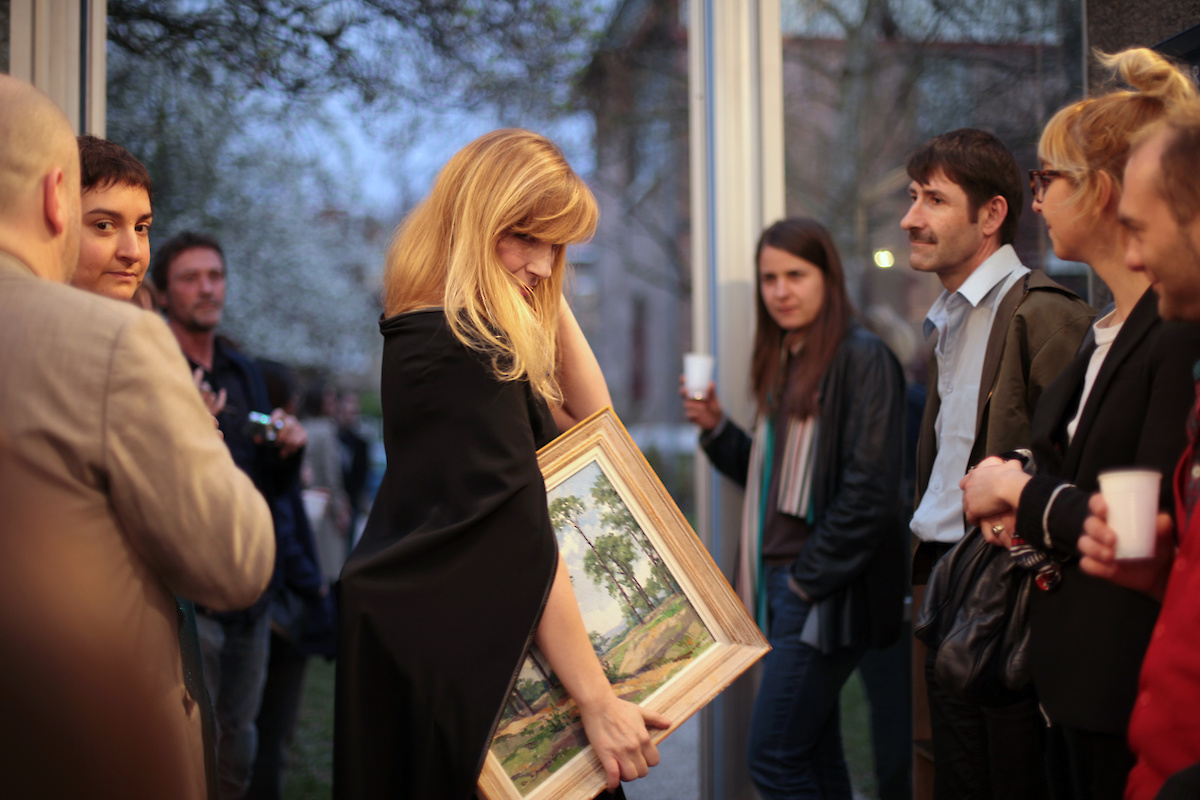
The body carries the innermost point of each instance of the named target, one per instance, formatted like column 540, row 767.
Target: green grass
column 310, row 768
column 856, row 737
column 310, row 776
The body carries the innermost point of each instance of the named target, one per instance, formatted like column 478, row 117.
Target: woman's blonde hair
column 444, row 253
column 1094, row 134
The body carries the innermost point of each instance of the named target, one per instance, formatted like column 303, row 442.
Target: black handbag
column 975, row 617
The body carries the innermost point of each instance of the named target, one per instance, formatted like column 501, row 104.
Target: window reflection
column 866, row 81
column 639, row 272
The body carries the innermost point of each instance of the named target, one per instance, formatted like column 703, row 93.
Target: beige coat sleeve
column 196, row 518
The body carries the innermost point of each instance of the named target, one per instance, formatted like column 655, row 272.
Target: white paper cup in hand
column 697, row 374
column 1132, row 498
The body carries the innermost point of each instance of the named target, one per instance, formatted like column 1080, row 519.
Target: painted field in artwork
column 642, row 626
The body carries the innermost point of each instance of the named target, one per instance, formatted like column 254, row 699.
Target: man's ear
column 992, row 215
column 54, row 205
column 1192, row 231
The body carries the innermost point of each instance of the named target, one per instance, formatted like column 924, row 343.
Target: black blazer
column 1089, row 635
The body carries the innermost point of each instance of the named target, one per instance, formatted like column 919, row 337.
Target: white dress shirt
column 963, row 320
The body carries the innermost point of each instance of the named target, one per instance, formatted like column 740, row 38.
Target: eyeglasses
column 1039, row 179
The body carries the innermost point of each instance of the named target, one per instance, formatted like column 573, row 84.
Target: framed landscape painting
column 667, row 627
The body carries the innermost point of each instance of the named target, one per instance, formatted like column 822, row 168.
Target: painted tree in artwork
column 518, row 704
column 535, row 658
column 616, row 516
column 614, row 555
column 566, row 511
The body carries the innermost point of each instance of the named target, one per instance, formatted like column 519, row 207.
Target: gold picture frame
column 670, row 631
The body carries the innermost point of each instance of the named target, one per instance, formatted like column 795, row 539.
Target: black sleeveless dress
column 443, row 594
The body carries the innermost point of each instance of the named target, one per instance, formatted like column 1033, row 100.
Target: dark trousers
column 985, row 753
column 282, row 695
column 235, row 668
column 193, row 678
column 887, row 678
column 1084, row 765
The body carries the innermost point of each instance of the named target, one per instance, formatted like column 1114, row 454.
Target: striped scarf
column 795, row 498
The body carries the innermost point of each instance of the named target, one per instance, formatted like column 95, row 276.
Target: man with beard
column 1161, row 210
column 188, row 271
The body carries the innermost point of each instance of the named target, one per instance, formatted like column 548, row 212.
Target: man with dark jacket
column 1003, row 334
column 189, row 273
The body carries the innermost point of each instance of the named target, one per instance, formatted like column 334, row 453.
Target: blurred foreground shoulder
column 194, row 514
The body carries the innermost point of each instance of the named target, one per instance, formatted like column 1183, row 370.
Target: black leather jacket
column 853, row 562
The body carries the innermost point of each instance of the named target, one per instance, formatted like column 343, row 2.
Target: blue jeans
column 795, row 746
column 235, row 669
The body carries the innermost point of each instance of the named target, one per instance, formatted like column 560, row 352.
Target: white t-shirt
column 1105, row 331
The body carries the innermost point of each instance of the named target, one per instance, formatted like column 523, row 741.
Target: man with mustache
column 188, row 271
column 1003, row 333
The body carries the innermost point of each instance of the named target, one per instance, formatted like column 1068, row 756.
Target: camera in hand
column 260, row 424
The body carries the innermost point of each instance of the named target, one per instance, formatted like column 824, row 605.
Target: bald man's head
column 39, row 181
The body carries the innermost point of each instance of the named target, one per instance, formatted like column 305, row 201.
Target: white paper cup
column 697, row 374
column 1132, row 498
column 315, row 503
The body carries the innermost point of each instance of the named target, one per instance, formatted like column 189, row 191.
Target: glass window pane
column 867, row 81
column 302, row 157
column 639, row 269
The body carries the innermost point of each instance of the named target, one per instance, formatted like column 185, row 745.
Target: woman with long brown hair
column 822, row 541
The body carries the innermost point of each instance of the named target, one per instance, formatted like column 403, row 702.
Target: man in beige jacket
column 115, row 492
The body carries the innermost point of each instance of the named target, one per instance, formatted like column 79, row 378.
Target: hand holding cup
column 700, row 403
column 1098, row 546
column 697, row 374
column 1132, row 499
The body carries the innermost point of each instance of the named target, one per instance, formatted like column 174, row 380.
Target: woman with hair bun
column 1121, row 403
column 458, row 570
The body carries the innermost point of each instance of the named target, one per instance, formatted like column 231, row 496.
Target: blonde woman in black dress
column 458, row 570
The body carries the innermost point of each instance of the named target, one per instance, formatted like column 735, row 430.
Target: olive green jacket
column 1038, row 327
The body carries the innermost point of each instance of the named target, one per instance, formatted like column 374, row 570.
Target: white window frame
column 735, row 74
column 59, row 47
